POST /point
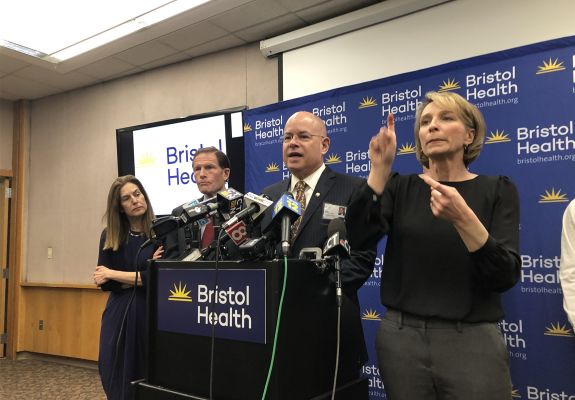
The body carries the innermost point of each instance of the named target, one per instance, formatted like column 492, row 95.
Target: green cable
column 271, row 367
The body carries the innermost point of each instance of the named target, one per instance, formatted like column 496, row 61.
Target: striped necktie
column 300, row 197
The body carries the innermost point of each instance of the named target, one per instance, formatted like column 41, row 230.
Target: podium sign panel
column 236, row 309
column 186, row 361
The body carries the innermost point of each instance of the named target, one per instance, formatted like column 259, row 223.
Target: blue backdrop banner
column 527, row 96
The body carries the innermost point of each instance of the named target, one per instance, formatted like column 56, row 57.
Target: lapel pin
column 317, row 194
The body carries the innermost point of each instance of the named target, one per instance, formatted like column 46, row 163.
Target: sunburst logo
column 146, row 160
column 553, row 197
column 497, row 137
column 550, row 66
column 180, row 293
column 367, row 102
column 515, row 393
column 371, row 315
column 558, row 330
column 449, row 85
column 333, row 159
column 272, row 167
column 407, row 148
column 247, row 127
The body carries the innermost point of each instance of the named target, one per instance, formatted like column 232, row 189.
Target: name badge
column 331, row 211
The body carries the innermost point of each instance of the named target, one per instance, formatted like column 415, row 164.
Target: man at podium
column 323, row 195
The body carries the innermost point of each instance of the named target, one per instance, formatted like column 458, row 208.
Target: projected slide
column 163, row 158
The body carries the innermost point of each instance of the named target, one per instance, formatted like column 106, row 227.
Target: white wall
column 452, row 31
column 73, row 147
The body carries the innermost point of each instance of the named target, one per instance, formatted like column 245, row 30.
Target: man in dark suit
column 324, row 195
column 211, row 171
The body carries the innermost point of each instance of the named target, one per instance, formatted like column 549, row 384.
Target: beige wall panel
column 73, row 147
column 6, row 132
column 70, row 317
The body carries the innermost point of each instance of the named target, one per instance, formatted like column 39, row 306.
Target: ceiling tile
column 107, row 67
column 145, row 53
column 25, row 88
column 271, row 28
column 54, row 78
column 249, row 14
column 10, row 64
column 297, row 5
column 166, row 61
column 332, row 9
column 193, row 35
column 226, row 42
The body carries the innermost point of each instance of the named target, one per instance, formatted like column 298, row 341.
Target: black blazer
column 337, row 189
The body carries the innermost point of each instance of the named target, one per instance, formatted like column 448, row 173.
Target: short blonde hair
column 467, row 112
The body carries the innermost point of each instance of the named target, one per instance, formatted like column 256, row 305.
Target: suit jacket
column 336, row 189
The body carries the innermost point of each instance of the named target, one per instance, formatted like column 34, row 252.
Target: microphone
column 164, row 225
column 198, row 212
column 337, row 243
column 286, row 211
column 254, row 206
column 187, row 207
column 337, row 247
column 229, row 201
column 237, row 232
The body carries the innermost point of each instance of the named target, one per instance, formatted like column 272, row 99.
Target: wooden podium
column 245, row 306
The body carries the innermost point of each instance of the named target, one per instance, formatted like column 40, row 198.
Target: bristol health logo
column 247, row 128
column 180, row 293
column 550, row 66
column 558, row 329
column 406, row 148
column 272, row 167
column 497, row 137
column 146, row 160
column 448, row 85
column 333, row 158
column 371, row 315
column 367, row 102
column 553, row 197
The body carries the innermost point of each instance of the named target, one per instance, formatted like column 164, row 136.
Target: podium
column 236, row 305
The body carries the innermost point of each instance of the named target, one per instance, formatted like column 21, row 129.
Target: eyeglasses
column 302, row 137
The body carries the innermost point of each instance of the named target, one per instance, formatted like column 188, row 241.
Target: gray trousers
column 435, row 359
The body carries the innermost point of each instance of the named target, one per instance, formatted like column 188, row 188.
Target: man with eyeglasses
column 324, row 195
column 211, row 172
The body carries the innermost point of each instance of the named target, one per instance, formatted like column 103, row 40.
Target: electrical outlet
column 41, row 324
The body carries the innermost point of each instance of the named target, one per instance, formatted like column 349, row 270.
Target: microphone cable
column 276, row 333
column 339, row 301
column 211, row 311
column 337, row 347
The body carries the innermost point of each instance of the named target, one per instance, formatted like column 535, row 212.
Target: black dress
column 122, row 353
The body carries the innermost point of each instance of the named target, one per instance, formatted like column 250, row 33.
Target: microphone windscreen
column 337, row 225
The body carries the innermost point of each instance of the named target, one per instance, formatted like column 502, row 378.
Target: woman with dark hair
column 128, row 218
column 452, row 249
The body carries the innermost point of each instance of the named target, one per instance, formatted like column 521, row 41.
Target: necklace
column 136, row 234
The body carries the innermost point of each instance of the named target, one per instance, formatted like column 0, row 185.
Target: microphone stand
column 339, row 302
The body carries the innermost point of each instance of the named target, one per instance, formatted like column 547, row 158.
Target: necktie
column 300, row 197
column 208, row 236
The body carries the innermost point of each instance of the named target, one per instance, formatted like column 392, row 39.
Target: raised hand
column 382, row 148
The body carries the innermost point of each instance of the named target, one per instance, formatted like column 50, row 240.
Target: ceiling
column 212, row 27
